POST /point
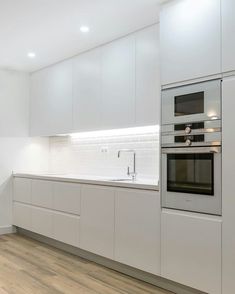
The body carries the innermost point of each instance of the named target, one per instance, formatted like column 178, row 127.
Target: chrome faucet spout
column 133, row 173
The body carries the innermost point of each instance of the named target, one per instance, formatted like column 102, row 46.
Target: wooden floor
column 31, row 267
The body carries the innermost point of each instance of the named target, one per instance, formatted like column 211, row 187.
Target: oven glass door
column 191, row 173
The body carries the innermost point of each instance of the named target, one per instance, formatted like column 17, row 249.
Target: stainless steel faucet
column 133, row 173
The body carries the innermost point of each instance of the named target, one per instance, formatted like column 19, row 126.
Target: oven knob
column 188, row 142
column 188, row 130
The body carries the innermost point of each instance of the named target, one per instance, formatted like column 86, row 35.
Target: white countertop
column 144, row 184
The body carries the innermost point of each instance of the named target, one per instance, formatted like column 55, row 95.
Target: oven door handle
column 191, row 150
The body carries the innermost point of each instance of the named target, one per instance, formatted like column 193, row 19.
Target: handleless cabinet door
column 118, row 83
column 67, row 197
column 87, row 91
column 51, row 100
column 228, row 199
column 228, row 35
column 42, row 193
column 190, row 40
column 22, row 190
column 97, row 220
column 191, row 250
column 137, row 229
column 148, row 76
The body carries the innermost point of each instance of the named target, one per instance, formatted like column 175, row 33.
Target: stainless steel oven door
column 191, row 179
column 197, row 102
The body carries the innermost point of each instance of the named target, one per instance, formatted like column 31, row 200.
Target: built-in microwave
column 192, row 103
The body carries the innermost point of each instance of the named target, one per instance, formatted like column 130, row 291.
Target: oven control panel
column 206, row 133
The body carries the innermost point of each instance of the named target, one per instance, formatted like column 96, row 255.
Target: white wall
column 18, row 152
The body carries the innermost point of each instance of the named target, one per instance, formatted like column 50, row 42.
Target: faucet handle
column 128, row 171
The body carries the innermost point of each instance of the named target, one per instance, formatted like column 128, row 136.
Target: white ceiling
column 50, row 28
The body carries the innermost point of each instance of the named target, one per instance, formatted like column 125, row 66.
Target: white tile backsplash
column 98, row 155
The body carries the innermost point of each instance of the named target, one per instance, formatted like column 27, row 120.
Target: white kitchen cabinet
column 51, row 100
column 22, row 190
column 87, row 91
column 228, row 36
column 137, row 229
column 228, row 171
column 42, row 193
column 97, row 220
column 191, row 250
column 42, row 221
column 118, row 83
column 190, row 40
column 66, row 228
column 147, row 76
column 67, row 197
column 22, row 215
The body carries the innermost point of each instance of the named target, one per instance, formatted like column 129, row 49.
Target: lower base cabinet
column 137, row 229
column 191, row 250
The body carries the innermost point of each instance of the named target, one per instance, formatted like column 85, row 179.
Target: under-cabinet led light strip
column 116, row 132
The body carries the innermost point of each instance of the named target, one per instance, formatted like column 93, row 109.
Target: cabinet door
column 191, row 250
column 42, row 221
column 87, row 91
column 42, row 193
column 67, row 197
column 190, row 40
column 22, row 190
column 137, row 229
column 228, row 199
column 22, row 215
column 147, row 76
column 97, row 220
column 118, row 83
column 228, row 37
column 51, row 100
column 66, row 228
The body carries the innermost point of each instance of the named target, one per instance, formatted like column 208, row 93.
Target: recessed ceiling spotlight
column 84, row 29
column 31, row 55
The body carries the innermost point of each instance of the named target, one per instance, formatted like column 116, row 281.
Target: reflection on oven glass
column 190, row 173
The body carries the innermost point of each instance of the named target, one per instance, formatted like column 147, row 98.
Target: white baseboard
column 7, row 230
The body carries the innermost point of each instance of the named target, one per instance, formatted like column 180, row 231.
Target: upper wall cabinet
column 147, row 76
column 228, row 35
column 87, row 91
column 114, row 86
column 118, row 83
column 190, row 40
column 51, row 100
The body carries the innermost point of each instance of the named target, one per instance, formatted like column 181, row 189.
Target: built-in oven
column 191, row 179
column 197, row 102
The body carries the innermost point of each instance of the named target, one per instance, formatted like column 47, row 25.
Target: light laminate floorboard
column 31, row 267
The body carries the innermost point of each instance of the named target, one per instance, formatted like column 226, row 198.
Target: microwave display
column 189, row 104
column 191, row 173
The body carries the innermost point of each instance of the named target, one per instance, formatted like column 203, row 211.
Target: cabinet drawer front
column 22, row 190
column 66, row 228
column 42, row 221
column 22, row 215
column 67, row 197
column 42, row 193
